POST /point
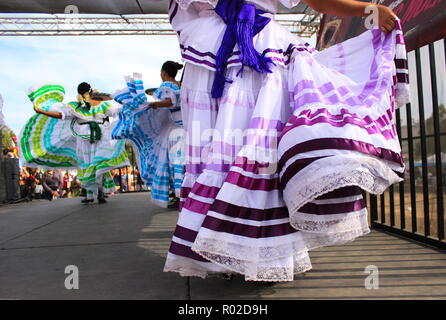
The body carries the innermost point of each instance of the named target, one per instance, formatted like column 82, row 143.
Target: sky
column 102, row 61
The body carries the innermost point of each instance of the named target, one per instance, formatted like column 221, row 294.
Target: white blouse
column 268, row 5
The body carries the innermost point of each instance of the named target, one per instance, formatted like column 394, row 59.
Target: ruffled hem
column 258, row 271
column 332, row 173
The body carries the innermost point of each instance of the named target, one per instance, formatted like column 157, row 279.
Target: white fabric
column 201, row 30
column 268, row 5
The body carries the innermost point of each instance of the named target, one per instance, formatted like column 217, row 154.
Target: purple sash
column 243, row 22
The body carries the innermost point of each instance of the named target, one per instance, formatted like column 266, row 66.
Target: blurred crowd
column 50, row 184
column 58, row 183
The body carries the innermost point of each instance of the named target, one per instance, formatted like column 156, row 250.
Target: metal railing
column 414, row 208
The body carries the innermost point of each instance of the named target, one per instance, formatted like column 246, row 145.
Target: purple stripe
column 241, row 162
column 185, row 234
column 333, row 208
column 197, row 168
column 250, row 166
column 304, row 84
column 286, row 53
column 341, row 193
column 402, row 77
column 174, row 13
column 249, row 183
column 205, row 191
column 185, row 251
column 306, row 118
column 379, row 78
column 196, row 206
column 237, row 53
column 244, row 230
column 388, row 134
column 266, row 124
column 198, row 53
column 190, row 58
column 340, row 144
column 294, row 168
column 315, row 97
column 235, row 211
column 401, row 64
column 184, row 192
column 382, row 121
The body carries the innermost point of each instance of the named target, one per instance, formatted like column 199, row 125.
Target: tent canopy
column 119, row 7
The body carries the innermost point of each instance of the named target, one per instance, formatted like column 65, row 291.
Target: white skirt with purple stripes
column 278, row 165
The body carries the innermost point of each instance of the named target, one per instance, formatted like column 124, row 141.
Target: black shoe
column 101, row 198
column 227, row 276
column 174, row 203
column 86, row 201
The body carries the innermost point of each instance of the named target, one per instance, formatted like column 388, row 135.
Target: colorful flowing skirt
column 54, row 143
column 290, row 154
column 158, row 141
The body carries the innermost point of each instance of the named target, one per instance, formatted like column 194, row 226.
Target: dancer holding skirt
column 297, row 136
column 76, row 135
column 154, row 125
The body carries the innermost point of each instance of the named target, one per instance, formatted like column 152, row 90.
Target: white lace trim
column 187, row 267
column 268, row 249
column 369, row 174
column 319, row 240
column 331, row 224
column 267, row 272
column 402, row 96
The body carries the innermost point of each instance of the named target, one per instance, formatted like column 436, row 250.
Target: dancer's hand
column 387, row 18
column 346, row 8
column 153, row 105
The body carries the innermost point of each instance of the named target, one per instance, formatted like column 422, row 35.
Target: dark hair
column 150, row 91
column 6, row 151
column 171, row 68
column 83, row 88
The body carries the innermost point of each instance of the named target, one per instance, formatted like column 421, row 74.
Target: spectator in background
column 65, row 184
column 8, row 153
column 51, row 185
column 124, row 179
column 117, row 179
column 75, row 187
column 31, row 182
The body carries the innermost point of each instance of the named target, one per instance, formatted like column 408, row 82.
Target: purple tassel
column 249, row 55
column 243, row 23
column 219, row 85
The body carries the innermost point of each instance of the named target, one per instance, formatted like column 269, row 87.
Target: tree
column 9, row 138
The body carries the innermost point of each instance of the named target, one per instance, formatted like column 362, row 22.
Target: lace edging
column 331, row 224
column 258, row 272
column 360, row 176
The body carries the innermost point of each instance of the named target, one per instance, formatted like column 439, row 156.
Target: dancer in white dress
column 317, row 129
column 76, row 135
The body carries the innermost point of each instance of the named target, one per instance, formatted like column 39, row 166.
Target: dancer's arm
column 166, row 103
column 354, row 8
column 51, row 114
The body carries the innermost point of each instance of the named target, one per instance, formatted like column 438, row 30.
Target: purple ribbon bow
column 243, row 22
